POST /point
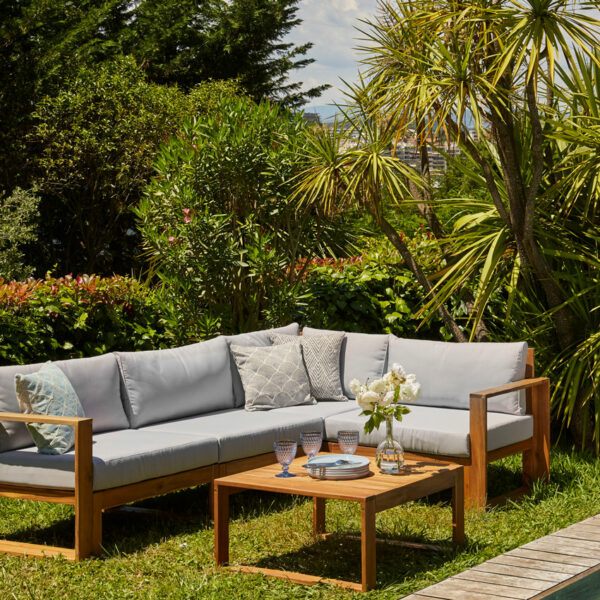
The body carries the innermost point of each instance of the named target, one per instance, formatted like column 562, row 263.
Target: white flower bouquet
column 383, row 398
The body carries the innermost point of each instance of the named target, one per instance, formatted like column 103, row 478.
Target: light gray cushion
column 159, row 385
column 272, row 376
column 49, row 392
column 321, row 354
column 434, row 430
column 96, row 382
column 119, row 457
column 448, row 372
column 322, row 409
column 241, row 433
column 362, row 357
column 253, row 338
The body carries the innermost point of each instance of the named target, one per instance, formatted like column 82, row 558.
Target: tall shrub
column 96, row 141
column 217, row 222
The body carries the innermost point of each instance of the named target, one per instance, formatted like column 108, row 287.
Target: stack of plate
column 338, row 466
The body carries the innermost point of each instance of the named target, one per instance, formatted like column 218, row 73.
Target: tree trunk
column 420, row 275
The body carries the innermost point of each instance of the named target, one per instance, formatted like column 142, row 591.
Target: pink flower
column 186, row 211
column 187, row 220
column 171, row 239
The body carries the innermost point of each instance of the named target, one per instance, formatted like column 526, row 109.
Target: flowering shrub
column 68, row 317
column 382, row 398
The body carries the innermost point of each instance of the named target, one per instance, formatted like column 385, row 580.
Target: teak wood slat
column 374, row 493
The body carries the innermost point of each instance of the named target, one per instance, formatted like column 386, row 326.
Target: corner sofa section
column 164, row 420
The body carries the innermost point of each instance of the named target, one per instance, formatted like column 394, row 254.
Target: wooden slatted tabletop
column 530, row 572
column 374, row 493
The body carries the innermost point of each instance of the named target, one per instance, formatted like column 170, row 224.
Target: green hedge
column 68, row 317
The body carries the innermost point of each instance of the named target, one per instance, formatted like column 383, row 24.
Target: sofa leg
column 475, row 486
column 536, row 462
column 97, row 531
column 211, row 499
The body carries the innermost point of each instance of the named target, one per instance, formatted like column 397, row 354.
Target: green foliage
column 96, row 140
column 372, row 293
column 217, row 223
column 59, row 318
column 18, row 220
column 185, row 42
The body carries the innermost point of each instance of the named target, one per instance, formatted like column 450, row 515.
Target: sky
column 331, row 26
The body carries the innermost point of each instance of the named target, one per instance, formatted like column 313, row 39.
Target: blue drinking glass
column 285, row 453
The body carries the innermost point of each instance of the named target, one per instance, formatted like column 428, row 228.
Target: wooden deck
column 529, row 572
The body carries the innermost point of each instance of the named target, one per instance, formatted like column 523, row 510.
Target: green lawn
column 173, row 558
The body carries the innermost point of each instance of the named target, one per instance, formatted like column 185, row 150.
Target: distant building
column 312, row 117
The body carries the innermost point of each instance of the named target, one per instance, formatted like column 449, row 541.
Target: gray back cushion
column 321, row 354
column 96, row 382
column 363, row 356
column 161, row 385
column 448, row 372
column 254, row 338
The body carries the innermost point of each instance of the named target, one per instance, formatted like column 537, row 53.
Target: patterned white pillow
column 322, row 360
column 272, row 377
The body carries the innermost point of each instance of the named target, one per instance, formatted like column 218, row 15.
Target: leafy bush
column 371, row 293
column 18, row 215
column 217, row 221
column 95, row 142
column 67, row 317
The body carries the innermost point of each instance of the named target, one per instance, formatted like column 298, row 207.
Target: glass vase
column 390, row 455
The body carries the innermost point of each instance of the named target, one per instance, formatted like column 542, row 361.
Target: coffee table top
column 418, row 478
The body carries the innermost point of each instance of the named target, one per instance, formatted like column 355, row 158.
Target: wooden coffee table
column 374, row 494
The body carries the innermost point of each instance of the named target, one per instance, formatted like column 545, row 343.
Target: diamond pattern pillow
column 49, row 392
column 272, row 376
column 322, row 360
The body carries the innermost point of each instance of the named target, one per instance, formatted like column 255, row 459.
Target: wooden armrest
column 514, row 386
column 51, row 419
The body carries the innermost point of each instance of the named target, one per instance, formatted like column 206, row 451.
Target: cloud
column 331, row 26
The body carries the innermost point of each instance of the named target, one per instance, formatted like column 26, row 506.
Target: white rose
column 367, row 400
column 389, row 378
column 378, row 386
column 355, row 387
column 398, row 371
column 387, row 399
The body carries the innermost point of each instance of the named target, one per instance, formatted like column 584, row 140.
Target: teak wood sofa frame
column 90, row 505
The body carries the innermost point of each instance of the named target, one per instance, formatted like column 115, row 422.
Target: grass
column 154, row 558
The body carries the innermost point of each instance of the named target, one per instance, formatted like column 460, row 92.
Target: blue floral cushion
column 49, row 392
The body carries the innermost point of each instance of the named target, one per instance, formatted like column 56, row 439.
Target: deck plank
column 525, row 572
column 513, row 581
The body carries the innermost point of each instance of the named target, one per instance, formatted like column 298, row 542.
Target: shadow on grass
column 339, row 557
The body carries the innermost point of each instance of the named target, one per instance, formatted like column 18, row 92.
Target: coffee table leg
column 318, row 516
column 221, row 522
column 458, row 509
column 368, row 545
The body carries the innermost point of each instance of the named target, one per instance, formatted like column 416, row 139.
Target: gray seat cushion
column 363, row 356
column 253, row 338
column 169, row 384
column 241, row 433
column 96, row 382
column 322, row 409
column 448, row 372
column 119, row 457
column 434, row 430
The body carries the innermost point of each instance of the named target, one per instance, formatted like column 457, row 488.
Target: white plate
column 351, row 461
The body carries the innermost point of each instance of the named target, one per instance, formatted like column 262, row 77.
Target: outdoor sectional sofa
column 160, row 421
